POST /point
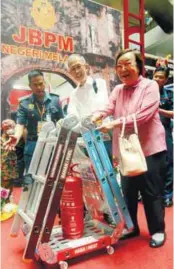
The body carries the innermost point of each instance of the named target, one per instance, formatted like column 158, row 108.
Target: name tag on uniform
column 39, row 126
column 48, row 117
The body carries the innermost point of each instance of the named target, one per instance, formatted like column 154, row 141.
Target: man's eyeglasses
column 119, row 67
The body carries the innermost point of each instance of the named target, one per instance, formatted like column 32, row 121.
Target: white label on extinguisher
column 81, row 242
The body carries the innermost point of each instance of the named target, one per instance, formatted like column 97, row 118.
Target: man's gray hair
column 75, row 58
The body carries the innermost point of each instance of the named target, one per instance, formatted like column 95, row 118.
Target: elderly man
column 90, row 94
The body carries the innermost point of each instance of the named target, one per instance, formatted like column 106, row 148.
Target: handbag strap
column 135, row 124
column 124, row 125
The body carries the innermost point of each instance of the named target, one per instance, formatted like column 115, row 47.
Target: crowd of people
column 147, row 99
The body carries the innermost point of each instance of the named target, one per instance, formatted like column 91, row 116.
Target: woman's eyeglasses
column 119, row 67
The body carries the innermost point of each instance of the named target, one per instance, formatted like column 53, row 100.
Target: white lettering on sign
column 86, row 248
column 92, row 246
column 79, row 250
column 53, row 170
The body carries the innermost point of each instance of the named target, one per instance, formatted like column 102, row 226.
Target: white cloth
column 84, row 101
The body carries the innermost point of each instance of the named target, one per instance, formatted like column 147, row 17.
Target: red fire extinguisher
column 71, row 206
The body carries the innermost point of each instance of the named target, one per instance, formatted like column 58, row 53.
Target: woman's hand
column 106, row 127
column 96, row 117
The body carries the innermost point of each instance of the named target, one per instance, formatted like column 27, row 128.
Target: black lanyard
column 95, row 86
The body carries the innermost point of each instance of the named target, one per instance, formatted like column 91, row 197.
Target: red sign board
column 15, row 96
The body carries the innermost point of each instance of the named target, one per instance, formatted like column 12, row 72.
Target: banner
column 43, row 33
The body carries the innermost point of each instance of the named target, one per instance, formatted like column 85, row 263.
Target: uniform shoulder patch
column 24, row 97
column 54, row 95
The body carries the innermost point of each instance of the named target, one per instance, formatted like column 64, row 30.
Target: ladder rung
column 135, row 42
column 25, row 217
column 137, row 17
column 40, row 179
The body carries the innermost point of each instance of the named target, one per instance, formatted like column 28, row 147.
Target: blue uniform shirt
column 28, row 113
column 166, row 103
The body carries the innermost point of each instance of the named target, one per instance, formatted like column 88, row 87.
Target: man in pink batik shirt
column 140, row 96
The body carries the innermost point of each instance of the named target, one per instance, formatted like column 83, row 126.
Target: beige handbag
column 132, row 161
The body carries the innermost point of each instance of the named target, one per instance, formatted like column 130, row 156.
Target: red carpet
column 130, row 254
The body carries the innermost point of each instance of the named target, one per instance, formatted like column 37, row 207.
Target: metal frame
column 129, row 30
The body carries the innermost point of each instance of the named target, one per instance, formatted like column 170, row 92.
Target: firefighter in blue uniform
column 161, row 75
column 33, row 111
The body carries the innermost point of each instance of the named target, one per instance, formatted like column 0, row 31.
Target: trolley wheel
column 46, row 254
column 110, row 250
column 63, row 265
